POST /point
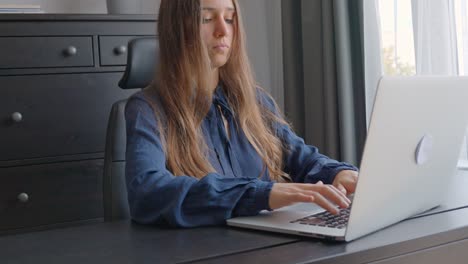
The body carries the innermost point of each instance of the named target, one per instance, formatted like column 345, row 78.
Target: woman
column 204, row 143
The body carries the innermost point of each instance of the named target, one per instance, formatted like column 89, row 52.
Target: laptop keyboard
column 326, row 219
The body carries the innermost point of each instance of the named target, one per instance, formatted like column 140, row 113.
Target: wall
column 92, row 6
column 21, row 2
column 262, row 22
column 77, row 6
column 83, row 6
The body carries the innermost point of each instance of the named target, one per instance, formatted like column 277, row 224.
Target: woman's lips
column 221, row 47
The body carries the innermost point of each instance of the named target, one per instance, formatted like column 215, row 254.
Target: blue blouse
column 156, row 196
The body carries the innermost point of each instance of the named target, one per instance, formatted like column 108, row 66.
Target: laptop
column 410, row 156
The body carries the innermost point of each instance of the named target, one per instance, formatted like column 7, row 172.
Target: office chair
column 143, row 54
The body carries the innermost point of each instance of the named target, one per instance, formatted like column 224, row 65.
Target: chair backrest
column 143, row 54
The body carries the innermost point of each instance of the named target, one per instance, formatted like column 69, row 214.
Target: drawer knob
column 23, row 197
column 70, row 51
column 120, row 50
column 17, row 117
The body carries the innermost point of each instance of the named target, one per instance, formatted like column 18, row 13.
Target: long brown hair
column 181, row 86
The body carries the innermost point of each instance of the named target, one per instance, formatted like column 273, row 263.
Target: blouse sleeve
column 156, row 196
column 304, row 163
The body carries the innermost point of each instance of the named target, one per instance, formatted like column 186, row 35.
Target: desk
column 440, row 238
column 436, row 238
column 443, row 235
column 126, row 242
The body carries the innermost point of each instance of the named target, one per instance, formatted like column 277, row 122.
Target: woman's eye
column 206, row 20
column 229, row 21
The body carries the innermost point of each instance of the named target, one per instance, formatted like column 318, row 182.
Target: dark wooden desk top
column 125, row 242
column 403, row 238
column 443, row 225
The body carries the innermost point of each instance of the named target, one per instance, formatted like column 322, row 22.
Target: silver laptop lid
column 411, row 151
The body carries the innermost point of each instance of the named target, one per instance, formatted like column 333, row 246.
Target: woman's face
column 217, row 29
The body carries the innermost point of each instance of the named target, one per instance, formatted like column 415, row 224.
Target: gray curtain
column 324, row 74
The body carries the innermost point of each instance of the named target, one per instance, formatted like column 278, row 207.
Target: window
column 397, row 51
column 422, row 37
column 461, row 18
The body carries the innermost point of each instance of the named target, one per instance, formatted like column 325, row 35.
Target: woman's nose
column 221, row 28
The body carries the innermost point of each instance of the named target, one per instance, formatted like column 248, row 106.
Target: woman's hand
column 346, row 181
column 326, row 196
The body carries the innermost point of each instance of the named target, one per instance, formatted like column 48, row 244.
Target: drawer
column 37, row 52
column 56, row 115
column 113, row 49
column 52, row 193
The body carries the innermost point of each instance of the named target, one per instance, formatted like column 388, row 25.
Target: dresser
column 58, row 81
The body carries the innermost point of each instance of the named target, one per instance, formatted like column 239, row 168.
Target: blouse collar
column 219, row 99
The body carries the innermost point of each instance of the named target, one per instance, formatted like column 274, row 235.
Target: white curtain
column 440, row 32
column 462, row 29
column 435, row 37
column 462, row 35
column 372, row 55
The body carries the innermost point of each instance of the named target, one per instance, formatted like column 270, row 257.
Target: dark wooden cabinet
column 112, row 50
column 51, row 193
column 68, row 115
column 40, row 52
column 58, row 81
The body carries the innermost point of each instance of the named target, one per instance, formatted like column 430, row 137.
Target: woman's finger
column 325, row 203
column 332, row 196
column 300, row 197
column 332, row 193
column 341, row 188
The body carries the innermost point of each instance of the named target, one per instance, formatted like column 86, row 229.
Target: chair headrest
column 143, row 55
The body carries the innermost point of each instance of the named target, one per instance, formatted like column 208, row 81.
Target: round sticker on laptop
column 424, row 149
